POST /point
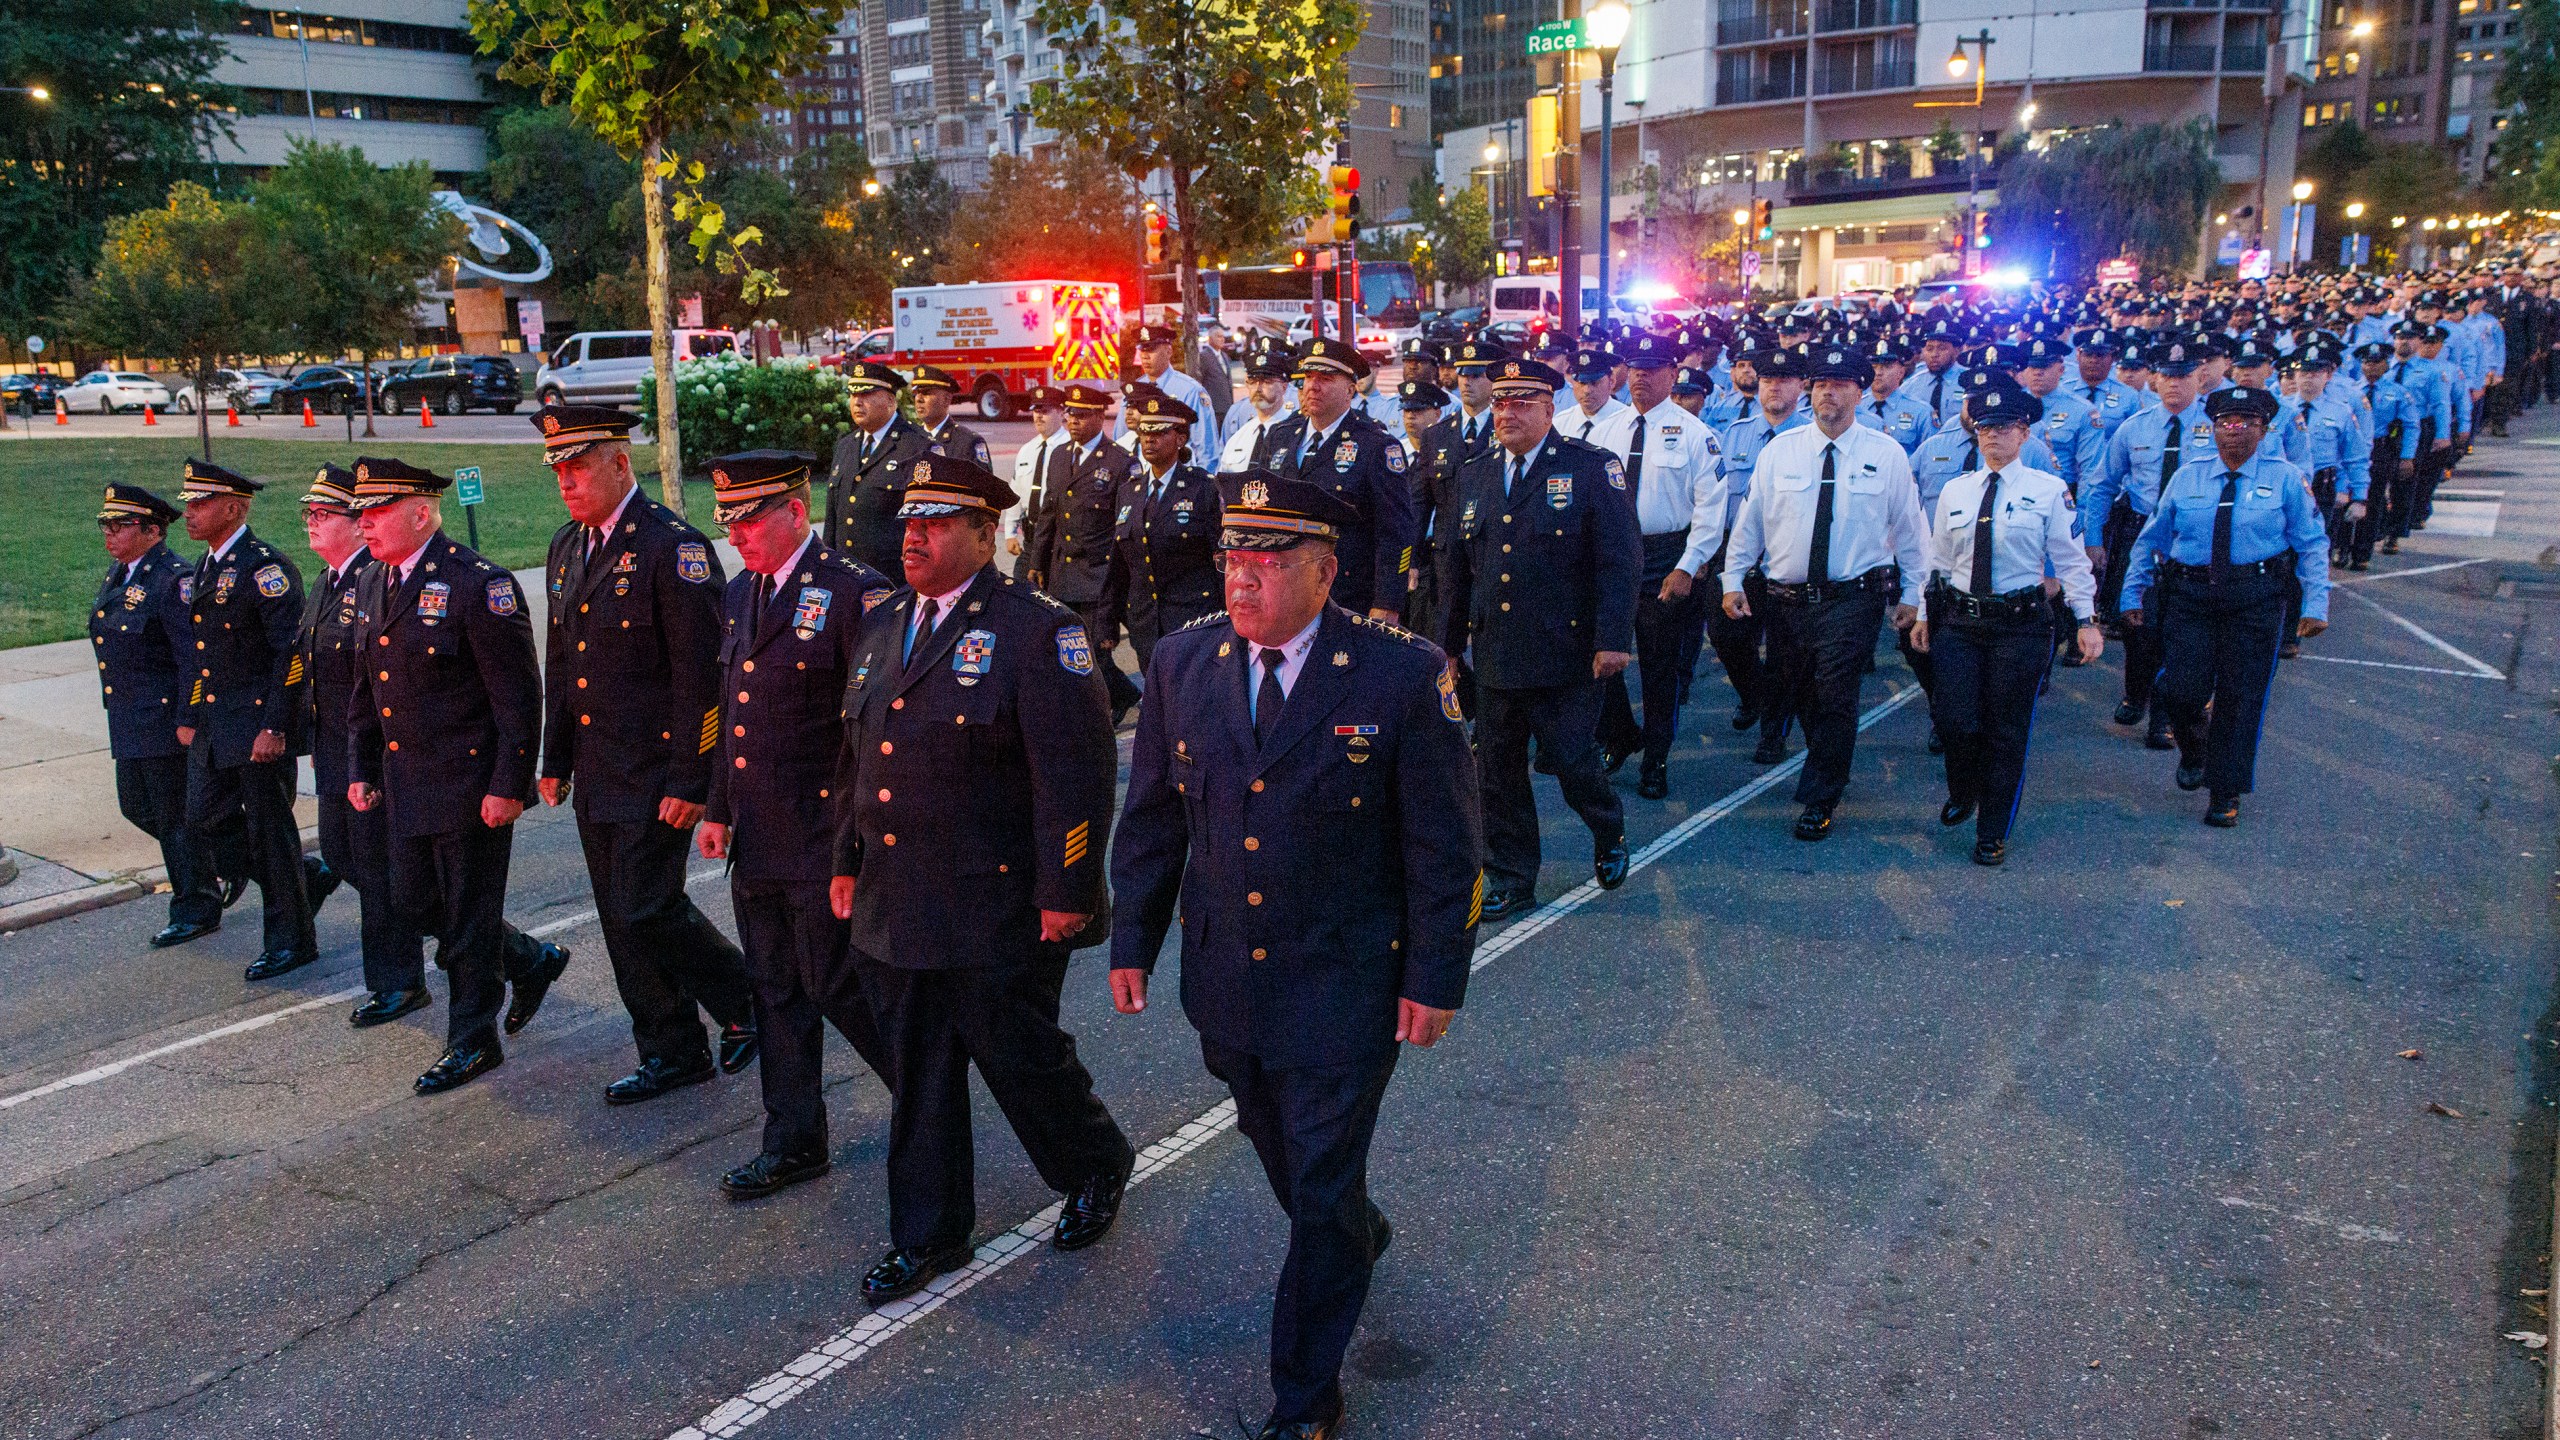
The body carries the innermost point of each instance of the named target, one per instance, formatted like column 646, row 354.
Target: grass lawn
column 51, row 560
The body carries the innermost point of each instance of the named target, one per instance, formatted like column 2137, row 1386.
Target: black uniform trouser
column 453, row 886
column 1985, row 704
column 2388, row 468
column 357, row 845
column 2221, row 647
column 152, row 795
column 1004, row 1019
column 262, row 790
column 1311, row 1126
column 2141, row 642
column 1819, row 653
column 2333, row 516
column 1104, row 635
column 1563, row 719
column 1664, row 634
column 2496, row 403
column 804, row 978
column 667, row 956
column 1737, row 646
column 2418, row 494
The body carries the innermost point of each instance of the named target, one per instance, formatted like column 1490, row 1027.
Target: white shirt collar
column 1293, row 656
column 218, row 551
column 409, row 567
column 805, row 542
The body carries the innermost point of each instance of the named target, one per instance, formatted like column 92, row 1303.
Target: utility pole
column 1569, row 183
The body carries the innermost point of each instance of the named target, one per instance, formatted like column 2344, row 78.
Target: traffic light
column 1298, row 259
column 1344, row 204
column 1760, row 227
column 1155, row 234
column 1982, row 230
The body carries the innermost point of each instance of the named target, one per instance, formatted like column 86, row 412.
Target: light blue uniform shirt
column 1944, row 400
column 2132, row 471
column 2429, row 387
column 1204, row 430
column 1741, row 441
column 2070, row 429
column 1951, row 452
column 2288, row 436
column 1898, row 415
column 2111, row 398
column 2370, row 329
column 2338, row 441
column 2488, row 349
column 2387, row 403
column 2271, row 513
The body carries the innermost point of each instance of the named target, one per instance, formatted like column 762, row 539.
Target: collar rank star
column 974, row 656
column 810, row 615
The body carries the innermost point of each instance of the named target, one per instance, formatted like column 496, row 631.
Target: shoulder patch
column 1075, row 652
column 1395, row 457
column 271, row 581
column 693, row 561
column 1617, row 474
column 502, row 596
column 1449, row 701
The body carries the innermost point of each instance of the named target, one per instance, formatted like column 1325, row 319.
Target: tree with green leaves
column 2526, row 161
column 2142, row 191
column 1457, row 233
column 640, row 73
column 131, row 103
column 1069, row 217
column 354, row 245
column 592, row 227
column 1227, row 98
column 183, row 280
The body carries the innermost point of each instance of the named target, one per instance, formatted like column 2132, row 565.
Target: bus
column 1280, row 299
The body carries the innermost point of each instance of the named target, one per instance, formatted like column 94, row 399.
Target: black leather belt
column 1947, row 603
column 1882, row 581
column 2203, row 574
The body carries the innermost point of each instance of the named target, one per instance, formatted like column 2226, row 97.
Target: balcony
column 1867, row 14
column 1763, row 88
column 1832, row 185
column 2178, row 59
column 1749, row 23
column 2244, row 56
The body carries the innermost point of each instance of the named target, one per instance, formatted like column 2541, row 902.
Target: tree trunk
column 364, row 377
column 1187, row 348
column 204, row 425
column 662, row 345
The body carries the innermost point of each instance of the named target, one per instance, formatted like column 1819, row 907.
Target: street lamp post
column 1980, row 64
column 2355, row 216
column 2293, row 236
column 1605, row 26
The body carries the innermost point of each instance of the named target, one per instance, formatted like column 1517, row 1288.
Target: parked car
column 110, row 391
column 605, row 367
column 248, row 389
column 330, row 389
column 451, row 384
column 29, row 392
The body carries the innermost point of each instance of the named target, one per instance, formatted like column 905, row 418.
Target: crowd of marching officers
column 905, row 750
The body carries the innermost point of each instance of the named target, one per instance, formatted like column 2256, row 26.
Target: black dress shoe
column 384, row 1006
column 276, row 962
column 1276, row 1428
column 1381, row 1234
column 656, row 1077
column 318, row 881
column 767, row 1173
column 2129, row 713
column 1955, row 812
column 2222, row 812
column 1503, row 904
column 1614, row 758
column 524, row 997
column 2288, row 649
column 1814, row 823
column 2391, row 546
column 461, row 1065
column 179, row 932
column 902, row 1273
column 737, row 1048
column 1769, row 752
column 1088, row 1213
column 1654, row 781
column 1937, row 742
column 1990, row 852
column 1745, row 716
column 2158, row 737
column 2190, row 774
column 1609, row 862
column 233, row 889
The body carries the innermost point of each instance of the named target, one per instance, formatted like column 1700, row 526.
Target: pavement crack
column 103, row 1201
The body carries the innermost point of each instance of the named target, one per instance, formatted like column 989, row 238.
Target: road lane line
column 2405, row 574
column 2478, row 667
column 259, row 1022
column 2388, row 665
column 868, row 1334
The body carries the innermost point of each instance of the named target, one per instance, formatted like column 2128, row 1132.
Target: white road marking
column 2388, row 665
column 2405, row 574
column 2478, row 666
column 869, row 1333
column 2371, row 1233
column 114, row 1068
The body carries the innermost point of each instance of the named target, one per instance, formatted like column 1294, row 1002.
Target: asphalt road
column 1779, row 1140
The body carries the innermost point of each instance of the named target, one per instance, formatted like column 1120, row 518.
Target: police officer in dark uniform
column 934, row 390
column 2212, row 569
column 862, row 479
column 1335, row 444
column 1449, row 445
column 1164, row 572
column 786, row 650
column 443, row 727
column 969, row 859
column 146, row 646
column 247, row 720
column 1542, row 581
column 631, row 716
column 1430, row 439
column 1079, row 524
column 1301, row 792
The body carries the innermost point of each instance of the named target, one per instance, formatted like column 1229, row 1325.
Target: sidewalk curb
column 27, row 914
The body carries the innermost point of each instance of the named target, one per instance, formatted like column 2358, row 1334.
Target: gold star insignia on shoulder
column 1341, row 657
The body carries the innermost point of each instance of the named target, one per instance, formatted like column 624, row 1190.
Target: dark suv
column 451, row 384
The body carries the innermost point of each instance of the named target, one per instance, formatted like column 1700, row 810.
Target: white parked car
column 248, row 389
column 108, row 391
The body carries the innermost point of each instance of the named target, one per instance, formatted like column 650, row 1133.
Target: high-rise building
column 1480, row 71
column 924, row 83
column 826, row 104
column 1391, row 104
column 1019, row 57
column 2423, row 71
column 398, row 79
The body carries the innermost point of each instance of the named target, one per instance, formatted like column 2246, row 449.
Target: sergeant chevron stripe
column 710, row 729
column 1075, row 842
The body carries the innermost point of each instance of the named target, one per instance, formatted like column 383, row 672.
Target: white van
column 605, row 367
column 1528, row 299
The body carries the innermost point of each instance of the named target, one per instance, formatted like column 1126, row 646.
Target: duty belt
column 2203, row 574
column 1881, row 581
column 1946, row 602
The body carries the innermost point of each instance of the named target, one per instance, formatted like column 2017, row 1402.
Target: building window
column 332, row 30
column 1395, row 117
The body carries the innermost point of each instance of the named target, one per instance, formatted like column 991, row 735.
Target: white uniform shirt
column 1246, row 435
column 1178, row 386
column 1029, row 463
column 1605, row 429
column 2031, row 527
column 1875, row 510
column 1680, row 486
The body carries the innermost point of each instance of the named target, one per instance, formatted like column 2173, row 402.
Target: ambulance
column 998, row 339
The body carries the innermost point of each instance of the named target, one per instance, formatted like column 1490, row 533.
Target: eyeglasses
column 1261, row 562
column 112, row 526
column 2237, row 422
column 1522, row 402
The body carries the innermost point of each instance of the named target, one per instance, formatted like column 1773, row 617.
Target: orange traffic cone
column 307, row 422
column 61, row 412
column 150, row 416
column 231, row 416
column 426, row 418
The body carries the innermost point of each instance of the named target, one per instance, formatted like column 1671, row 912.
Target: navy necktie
column 2222, row 526
column 1267, row 700
column 1981, row 578
column 1818, row 565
